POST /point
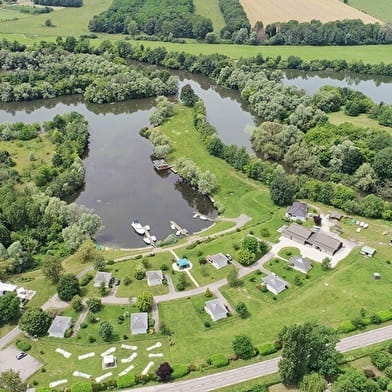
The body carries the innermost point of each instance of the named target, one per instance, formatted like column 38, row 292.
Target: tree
column 215, row 146
column 99, row 263
column 87, row 252
column 251, row 243
column 52, row 269
column 164, row 372
column 106, row 331
column 144, row 301
column 306, row 348
column 246, row 257
column 94, row 304
column 382, row 163
column 282, row 190
column 372, row 206
column 9, row 307
column 68, row 287
column 140, row 271
column 353, row 380
column 11, row 381
column 312, row 383
column 326, row 264
column 102, row 289
column 242, row 310
column 35, row 322
column 77, row 304
column 48, row 23
column 243, row 347
column 188, row 96
column 232, row 278
column 73, row 236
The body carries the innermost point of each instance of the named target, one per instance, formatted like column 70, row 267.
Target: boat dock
column 147, row 234
column 178, row 228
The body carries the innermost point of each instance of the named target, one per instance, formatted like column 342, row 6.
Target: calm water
column 120, row 181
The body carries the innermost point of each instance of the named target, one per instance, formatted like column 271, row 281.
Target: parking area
column 25, row 366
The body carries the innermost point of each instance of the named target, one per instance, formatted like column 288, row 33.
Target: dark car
column 229, row 258
column 21, row 355
column 116, row 282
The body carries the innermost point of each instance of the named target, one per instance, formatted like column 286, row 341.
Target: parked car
column 21, row 355
column 117, row 282
column 229, row 258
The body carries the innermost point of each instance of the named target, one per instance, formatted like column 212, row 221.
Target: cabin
column 300, row 264
column 139, row 323
column 183, row 263
column 218, row 261
column 160, row 164
column 275, row 284
column 154, row 278
column 59, row 326
column 102, row 277
column 216, row 309
column 297, row 210
column 368, row 251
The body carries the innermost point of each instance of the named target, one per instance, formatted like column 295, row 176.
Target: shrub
column 83, row 386
column 42, row 389
column 385, row 315
column 68, row 333
column 127, row 280
column 208, row 293
column 347, row 326
column 83, row 325
column 86, row 279
column 267, row 348
column 179, row 371
column 369, row 373
column 91, row 339
column 94, row 304
column 164, row 267
column 128, row 380
column 207, row 324
column 23, row 345
column 242, row 310
column 382, row 383
column 389, row 387
column 358, row 323
column 388, row 372
column 375, row 319
column 219, row 360
column 380, row 360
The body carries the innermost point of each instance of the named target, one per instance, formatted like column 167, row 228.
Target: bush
column 388, row 372
column 83, row 386
column 219, row 360
column 207, row 324
column 128, row 380
column 382, row 383
column 91, row 339
column 23, row 345
column 347, row 326
column 86, row 280
column 242, row 310
column 389, row 387
column 94, row 304
column 83, row 325
column 179, row 371
column 267, row 349
column 385, row 315
column 380, row 360
column 68, row 333
column 375, row 319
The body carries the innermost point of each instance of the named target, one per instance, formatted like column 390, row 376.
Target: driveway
column 26, row 366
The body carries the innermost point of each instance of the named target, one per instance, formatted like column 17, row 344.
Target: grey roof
column 325, row 241
column 368, row 250
column 298, row 231
column 300, row 263
column 219, row 259
column 154, row 275
column 104, row 277
column 276, row 282
column 298, row 209
column 139, row 321
column 215, row 307
column 59, row 325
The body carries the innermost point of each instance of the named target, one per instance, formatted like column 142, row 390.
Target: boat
column 137, row 226
column 147, row 240
column 202, row 217
column 153, row 238
column 195, row 215
column 178, row 232
column 172, row 227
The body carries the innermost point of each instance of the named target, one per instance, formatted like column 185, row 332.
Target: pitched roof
column 104, row 277
column 59, row 325
column 154, row 275
column 276, row 282
column 368, row 250
column 300, row 263
column 219, row 259
column 325, row 241
column 298, row 231
column 216, row 307
column 7, row 287
column 139, row 321
column 298, row 209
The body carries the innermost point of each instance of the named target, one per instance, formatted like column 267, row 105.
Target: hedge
column 128, row 380
column 347, row 326
column 385, row 315
column 83, row 386
column 219, row 360
column 23, row 345
column 43, row 389
column 268, row 348
column 179, row 371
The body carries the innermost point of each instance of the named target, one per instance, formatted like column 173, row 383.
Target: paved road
column 235, row 376
column 7, row 339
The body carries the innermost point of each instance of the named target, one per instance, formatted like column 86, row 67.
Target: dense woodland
column 60, row 3
column 237, row 25
column 168, row 18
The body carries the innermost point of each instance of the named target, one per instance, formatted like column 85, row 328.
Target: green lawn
column 10, row 14
column 289, row 251
column 217, row 227
column 210, row 9
column 381, row 9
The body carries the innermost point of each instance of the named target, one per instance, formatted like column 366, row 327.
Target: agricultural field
column 210, row 9
column 381, row 9
column 270, row 11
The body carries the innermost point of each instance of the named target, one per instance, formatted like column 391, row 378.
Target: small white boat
column 137, row 226
column 202, row 217
column 147, row 227
column 147, row 240
column 172, row 227
column 178, row 232
column 153, row 238
column 195, row 215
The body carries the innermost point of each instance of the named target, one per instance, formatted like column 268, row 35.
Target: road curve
column 264, row 368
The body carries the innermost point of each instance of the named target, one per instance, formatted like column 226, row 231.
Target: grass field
column 210, row 9
column 9, row 14
column 381, row 9
column 270, row 11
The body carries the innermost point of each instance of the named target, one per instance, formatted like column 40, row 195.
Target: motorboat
column 195, row 215
column 172, row 227
column 153, row 238
column 203, row 218
column 137, row 226
column 147, row 240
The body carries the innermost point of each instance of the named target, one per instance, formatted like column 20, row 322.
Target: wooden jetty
column 177, row 227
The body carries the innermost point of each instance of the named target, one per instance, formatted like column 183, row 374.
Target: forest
column 237, row 25
column 59, row 3
column 168, row 18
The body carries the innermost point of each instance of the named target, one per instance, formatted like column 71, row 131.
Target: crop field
column 270, row 11
column 381, row 9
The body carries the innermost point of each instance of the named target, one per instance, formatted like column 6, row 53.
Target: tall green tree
column 243, row 347
column 52, row 269
column 9, row 307
column 35, row 322
column 106, row 331
column 354, row 380
column 10, row 381
column 144, row 301
column 68, row 287
column 282, row 190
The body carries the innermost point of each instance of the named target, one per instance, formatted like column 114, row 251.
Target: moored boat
column 137, row 226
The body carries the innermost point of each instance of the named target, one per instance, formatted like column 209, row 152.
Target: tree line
column 237, row 24
column 60, row 3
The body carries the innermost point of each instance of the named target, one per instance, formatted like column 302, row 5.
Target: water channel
column 120, row 181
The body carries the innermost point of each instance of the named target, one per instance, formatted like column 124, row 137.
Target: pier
column 148, row 235
column 178, row 228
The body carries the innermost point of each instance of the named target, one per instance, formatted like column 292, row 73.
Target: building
column 335, row 216
column 297, row 233
column 108, row 361
column 275, row 284
column 139, row 323
column 160, row 164
column 300, row 264
column 102, row 277
column 7, row 288
column 154, row 278
column 325, row 243
column 368, row 251
column 23, row 294
column 59, row 326
column 183, row 263
column 297, row 210
column 218, row 261
column 216, row 309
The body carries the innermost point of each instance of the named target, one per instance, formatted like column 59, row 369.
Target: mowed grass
column 210, row 9
column 9, row 14
column 381, row 9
